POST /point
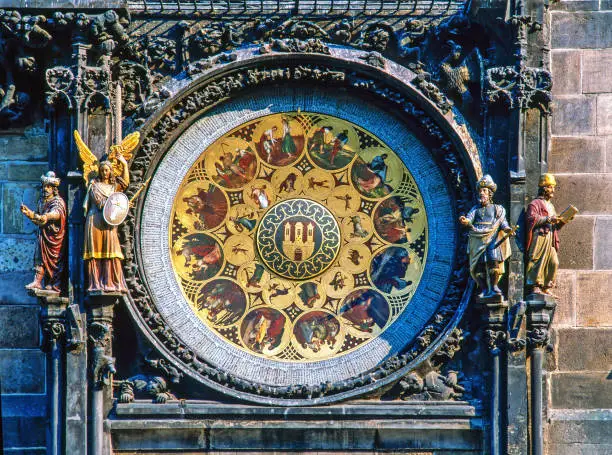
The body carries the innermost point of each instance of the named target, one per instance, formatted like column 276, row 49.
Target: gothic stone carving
column 519, row 88
column 102, row 364
column 229, row 85
column 144, row 386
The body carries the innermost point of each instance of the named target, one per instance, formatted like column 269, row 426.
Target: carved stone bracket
column 103, row 365
column 52, row 318
column 494, row 311
column 538, row 338
column 434, row 380
column 540, row 312
column 100, row 319
column 522, row 87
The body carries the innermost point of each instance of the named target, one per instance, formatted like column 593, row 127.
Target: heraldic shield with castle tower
column 304, row 219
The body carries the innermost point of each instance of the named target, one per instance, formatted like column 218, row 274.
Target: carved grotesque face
column 484, row 196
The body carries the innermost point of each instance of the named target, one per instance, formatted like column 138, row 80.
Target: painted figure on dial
column 488, row 245
column 105, row 207
column 542, row 243
column 50, row 217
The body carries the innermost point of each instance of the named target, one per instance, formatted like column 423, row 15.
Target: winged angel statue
column 106, row 206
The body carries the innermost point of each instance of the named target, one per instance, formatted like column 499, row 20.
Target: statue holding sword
column 488, row 245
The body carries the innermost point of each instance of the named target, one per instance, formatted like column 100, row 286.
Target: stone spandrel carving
column 542, row 225
column 50, row 253
column 106, row 207
column 488, row 246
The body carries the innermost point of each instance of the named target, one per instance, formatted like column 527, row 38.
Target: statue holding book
column 542, row 242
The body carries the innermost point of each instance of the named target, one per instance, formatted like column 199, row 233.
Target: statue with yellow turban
column 542, row 243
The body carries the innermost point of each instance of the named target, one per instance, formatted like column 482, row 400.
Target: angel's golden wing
column 90, row 162
column 127, row 146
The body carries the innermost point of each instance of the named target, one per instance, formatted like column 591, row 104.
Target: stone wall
column 580, row 380
column 23, row 158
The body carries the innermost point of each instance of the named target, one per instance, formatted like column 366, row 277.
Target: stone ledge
column 418, row 425
column 392, row 410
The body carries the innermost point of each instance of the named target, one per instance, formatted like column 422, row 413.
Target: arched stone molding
column 447, row 140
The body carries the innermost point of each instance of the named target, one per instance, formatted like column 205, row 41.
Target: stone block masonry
column 23, row 159
column 581, row 156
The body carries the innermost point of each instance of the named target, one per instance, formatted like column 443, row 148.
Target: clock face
column 298, row 237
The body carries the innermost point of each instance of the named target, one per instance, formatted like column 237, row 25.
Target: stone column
column 540, row 312
column 53, row 323
column 102, row 365
column 494, row 311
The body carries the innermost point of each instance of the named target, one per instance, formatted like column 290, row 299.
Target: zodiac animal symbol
column 358, row 230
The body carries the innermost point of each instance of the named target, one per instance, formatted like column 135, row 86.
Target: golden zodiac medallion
column 298, row 237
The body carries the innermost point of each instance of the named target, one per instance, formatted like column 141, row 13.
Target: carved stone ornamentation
column 53, row 330
column 432, row 386
column 377, row 37
column 374, row 59
column 457, row 73
column 60, row 83
column 212, row 40
column 136, row 85
column 102, row 365
column 310, row 45
column 165, row 368
column 496, row 340
column 144, row 386
column 538, row 338
column 522, row 88
column 431, row 91
column 231, row 85
column 451, row 346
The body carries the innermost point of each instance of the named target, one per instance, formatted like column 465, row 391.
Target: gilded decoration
column 298, row 237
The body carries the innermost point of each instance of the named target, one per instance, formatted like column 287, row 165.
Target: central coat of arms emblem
column 298, row 238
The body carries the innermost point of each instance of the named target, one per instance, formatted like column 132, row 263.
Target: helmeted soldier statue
column 488, row 247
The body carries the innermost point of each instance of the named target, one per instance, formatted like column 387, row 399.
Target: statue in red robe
column 50, row 217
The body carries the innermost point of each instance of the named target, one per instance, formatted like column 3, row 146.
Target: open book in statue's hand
column 568, row 214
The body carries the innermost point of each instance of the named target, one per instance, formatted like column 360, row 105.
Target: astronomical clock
column 299, row 247
column 298, row 237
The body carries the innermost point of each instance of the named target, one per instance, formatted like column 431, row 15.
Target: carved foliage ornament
column 230, row 85
column 523, row 88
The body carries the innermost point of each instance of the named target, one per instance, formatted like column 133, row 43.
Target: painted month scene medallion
column 298, row 237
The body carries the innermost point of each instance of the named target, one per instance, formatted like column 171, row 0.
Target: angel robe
column 102, row 248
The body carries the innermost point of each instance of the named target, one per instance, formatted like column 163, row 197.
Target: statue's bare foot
column 34, row 285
